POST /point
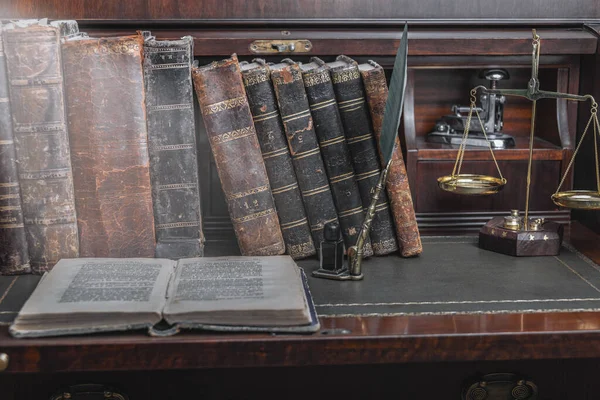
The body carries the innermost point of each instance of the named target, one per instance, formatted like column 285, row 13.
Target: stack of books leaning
column 98, row 150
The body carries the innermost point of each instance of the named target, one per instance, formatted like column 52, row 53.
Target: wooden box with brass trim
column 514, row 241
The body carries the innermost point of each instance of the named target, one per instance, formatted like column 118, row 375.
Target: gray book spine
column 14, row 256
column 278, row 162
column 172, row 147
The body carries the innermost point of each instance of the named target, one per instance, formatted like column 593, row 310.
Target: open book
column 89, row 295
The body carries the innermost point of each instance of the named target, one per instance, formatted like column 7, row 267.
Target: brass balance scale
column 515, row 235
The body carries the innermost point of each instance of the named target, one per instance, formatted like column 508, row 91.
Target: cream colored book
column 88, row 295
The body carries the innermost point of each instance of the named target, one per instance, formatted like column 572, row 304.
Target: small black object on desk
column 331, row 254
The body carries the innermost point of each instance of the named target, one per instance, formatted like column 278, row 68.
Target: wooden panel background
column 303, row 9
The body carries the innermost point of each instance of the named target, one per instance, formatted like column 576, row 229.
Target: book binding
column 42, row 146
column 351, row 100
column 398, row 189
column 14, row 255
column 109, row 141
column 304, row 147
column 172, row 147
column 234, row 144
column 336, row 156
column 278, row 162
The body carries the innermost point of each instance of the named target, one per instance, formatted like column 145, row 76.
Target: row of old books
column 315, row 126
column 98, row 150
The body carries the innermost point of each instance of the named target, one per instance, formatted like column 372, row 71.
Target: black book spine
column 172, row 148
column 304, row 147
column 352, row 104
column 338, row 164
column 276, row 155
column 14, row 256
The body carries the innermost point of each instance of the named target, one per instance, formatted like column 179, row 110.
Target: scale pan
column 581, row 199
column 471, row 184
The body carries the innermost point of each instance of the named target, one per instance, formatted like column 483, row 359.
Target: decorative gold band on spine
column 343, row 177
column 360, row 138
column 6, row 142
column 299, row 115
column 285, row 188
column 307, row 153
column 322, row 104
column 330, row 142
column 253, row 216
column 167, row 107
column 345, row 75
column 294, row 224
column 248, row 192
column 347, row 213
column 224, row 105
column 275, row 153
column 176, row 186
column 233, row 135
column 366, row 175
column 11, row 226
column 177, row 225
column 314, row 191
column 255, row 79
column 170, row 147
column 169, row 66
column 8, row 196
column 266, row 116
column 9, row 184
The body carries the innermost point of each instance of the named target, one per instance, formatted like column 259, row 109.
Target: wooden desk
column 424, row 356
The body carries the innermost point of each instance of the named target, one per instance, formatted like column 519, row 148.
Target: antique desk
column 396, row 356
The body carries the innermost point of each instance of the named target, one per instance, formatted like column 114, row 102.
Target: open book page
column 237, row 291
column 96, row 292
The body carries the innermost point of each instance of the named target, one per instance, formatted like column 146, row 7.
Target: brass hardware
column 513, row 221
column 536, row 224
column 3, row 361
column 278, row 46
column 470, row 184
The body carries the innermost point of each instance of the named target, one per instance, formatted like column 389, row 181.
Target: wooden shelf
column 542, row 150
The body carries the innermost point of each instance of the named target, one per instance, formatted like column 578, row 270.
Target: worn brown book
column 397, row 186
column 234, row 144
column 42, row 145
column 109, row 146
column 14, row 256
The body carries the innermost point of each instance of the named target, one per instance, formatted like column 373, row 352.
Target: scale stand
column 514, row 235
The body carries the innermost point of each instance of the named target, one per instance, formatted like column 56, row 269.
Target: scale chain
column 593, row 117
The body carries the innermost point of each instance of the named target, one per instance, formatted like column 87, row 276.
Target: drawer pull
column 3, row 361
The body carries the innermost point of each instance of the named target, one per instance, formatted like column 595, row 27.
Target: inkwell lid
column 332, row 232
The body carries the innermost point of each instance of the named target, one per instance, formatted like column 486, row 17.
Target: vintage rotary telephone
column 450, row 128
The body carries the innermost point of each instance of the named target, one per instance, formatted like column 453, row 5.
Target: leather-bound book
column 350, row 96
column 239, row 162
column 397, row 186
column 274, row 148
column 172, row 147
column 14, row 256
column 304, row 147
column 338, row 164
column 42, row 146
column 104, row 88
